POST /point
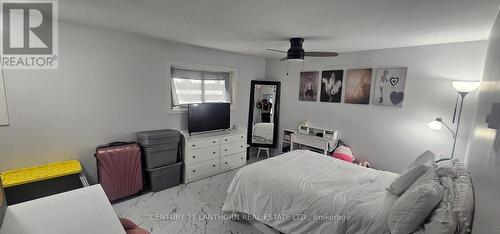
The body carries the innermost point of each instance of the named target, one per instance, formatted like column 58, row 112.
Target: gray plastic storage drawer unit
column 160, row 147
column 164, row 177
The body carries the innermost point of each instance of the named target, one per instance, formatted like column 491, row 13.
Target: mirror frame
column 276, row 116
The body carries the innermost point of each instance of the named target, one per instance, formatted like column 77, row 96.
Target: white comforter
column 307, row 192
column 263, row 130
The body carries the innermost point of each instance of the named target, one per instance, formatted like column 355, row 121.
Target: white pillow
column 417, row 168
column 405, row 180
column 426, row 158
column 413, row 207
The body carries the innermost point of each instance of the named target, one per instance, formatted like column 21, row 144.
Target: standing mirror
column 263, row 115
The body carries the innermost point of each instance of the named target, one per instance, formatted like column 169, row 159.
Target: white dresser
column 212, row 153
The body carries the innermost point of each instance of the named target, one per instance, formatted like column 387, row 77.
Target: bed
column 306, row 192
column 263, row 133
column 322, row 192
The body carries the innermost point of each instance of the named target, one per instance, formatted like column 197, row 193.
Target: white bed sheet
column 306, row 192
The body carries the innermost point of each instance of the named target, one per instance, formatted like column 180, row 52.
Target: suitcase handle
column 117, row 143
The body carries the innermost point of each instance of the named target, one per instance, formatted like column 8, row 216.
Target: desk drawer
column 203, row 154
column 310, row 141
column 202, row 143
column 203, row 168
column 233, row 161
column 233, row 138
column 233, row 148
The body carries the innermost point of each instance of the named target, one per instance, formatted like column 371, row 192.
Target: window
column 192, row 86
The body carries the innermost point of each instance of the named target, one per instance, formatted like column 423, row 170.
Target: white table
column 311, row 141
column 81, row 211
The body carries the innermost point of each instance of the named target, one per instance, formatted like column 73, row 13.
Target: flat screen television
column 209, row 117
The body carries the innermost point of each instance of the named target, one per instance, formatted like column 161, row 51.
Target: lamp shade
column 435, row 125
column 465, row 86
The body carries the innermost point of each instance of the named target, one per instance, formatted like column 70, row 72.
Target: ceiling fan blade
column 284, row 59
column 281, row 51
column 321, row 54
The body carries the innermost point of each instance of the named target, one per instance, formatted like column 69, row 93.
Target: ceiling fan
column 297, row 53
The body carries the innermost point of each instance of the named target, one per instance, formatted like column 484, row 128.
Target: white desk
column 81, row 211
column 311, row 141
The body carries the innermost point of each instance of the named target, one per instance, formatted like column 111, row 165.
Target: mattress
column 306, row 192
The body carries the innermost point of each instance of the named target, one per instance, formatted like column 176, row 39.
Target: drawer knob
column 194, row 145
column 225, row 140
column 225, row 150
column 241, row 158
column 226, row 162
column 194, row 156
column 214, row 142
column 214, row 152
column 241, row 146
column 194, row 171
column 241, row 137
column 213, row 165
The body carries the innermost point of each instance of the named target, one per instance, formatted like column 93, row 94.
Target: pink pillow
column 343, row 153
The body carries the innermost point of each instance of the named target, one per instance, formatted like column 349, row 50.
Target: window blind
column 192, row 86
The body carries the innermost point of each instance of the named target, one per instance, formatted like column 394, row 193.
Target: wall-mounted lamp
column 463, row 88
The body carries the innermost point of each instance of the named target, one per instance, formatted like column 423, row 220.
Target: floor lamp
column 463, row 88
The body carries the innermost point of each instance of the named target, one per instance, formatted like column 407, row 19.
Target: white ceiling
column 251, row 26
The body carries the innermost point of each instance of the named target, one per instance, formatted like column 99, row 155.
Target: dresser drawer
column 203, row 154
column 203, row 168
column 233, row 148
column 202, row 143
column 233, row 138
column 233, row 161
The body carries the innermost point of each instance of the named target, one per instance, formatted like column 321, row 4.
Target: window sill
column 177, row 111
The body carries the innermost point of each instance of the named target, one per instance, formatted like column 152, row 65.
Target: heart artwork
column 394, row 81
column 397, row 97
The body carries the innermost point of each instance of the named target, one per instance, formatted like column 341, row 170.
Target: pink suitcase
column 119, row 169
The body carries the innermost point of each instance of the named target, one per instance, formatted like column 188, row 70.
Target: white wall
column 4, row 114
column 108, row 86
column 484, row 151
column 390, row 137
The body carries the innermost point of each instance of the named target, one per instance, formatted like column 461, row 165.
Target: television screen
column 208, row 117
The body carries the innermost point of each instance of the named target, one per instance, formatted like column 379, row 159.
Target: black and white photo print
column 308, row 90
column 331, row 86
column 389, row 86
